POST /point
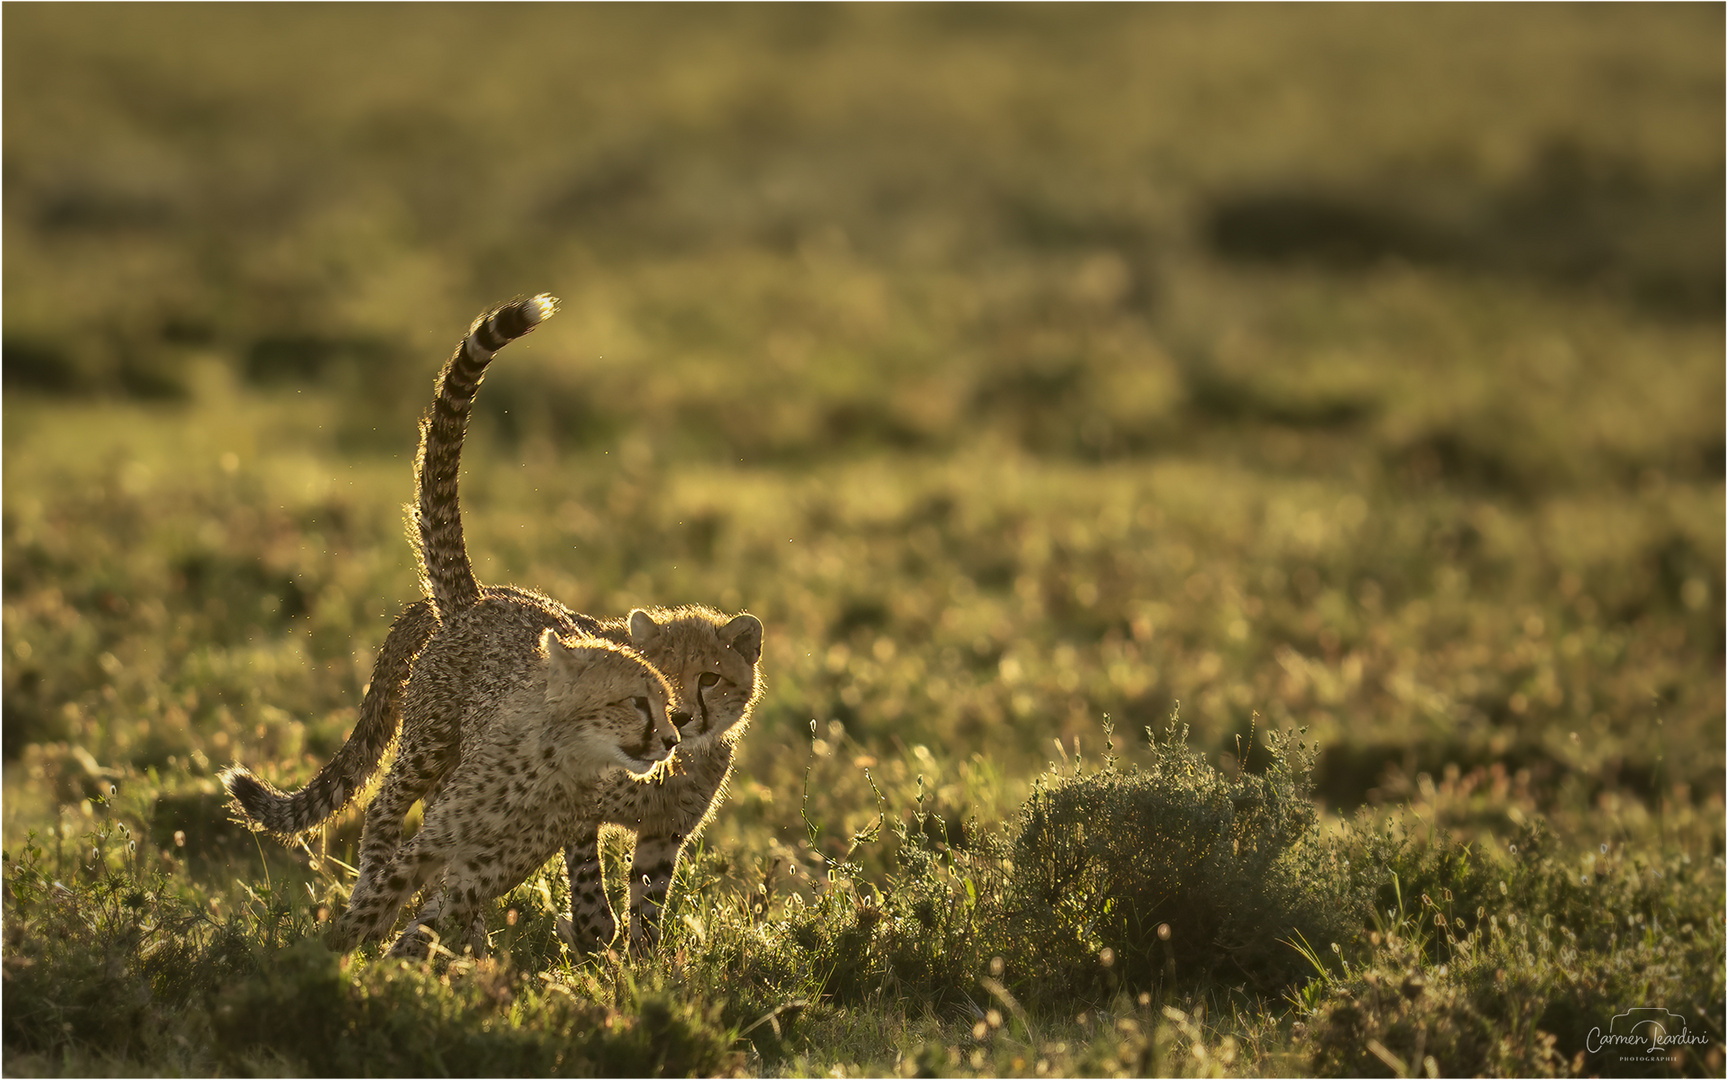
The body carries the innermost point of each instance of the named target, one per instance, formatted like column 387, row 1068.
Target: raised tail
column 445, row 572
column 288, row 815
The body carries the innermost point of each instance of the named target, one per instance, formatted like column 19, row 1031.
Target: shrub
column 1114, row 879
column 1175, row 873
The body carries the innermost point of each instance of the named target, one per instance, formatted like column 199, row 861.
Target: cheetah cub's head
column 710, row 659
column 608, row 705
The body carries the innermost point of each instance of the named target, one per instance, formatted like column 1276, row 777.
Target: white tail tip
column 538, row 309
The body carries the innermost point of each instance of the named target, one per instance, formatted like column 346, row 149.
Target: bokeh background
column 1349, row 369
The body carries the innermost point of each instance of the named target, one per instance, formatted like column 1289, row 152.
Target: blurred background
column 1355, row 369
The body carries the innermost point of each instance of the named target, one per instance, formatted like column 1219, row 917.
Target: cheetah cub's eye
column 707, row 679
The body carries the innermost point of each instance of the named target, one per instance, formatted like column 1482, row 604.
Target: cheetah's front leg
column 651, row 873
column 590, row 925
column 412, row 777
column 369, row 918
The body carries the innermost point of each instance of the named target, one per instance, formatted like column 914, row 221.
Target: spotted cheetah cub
column 465, row 630
column 532, row 759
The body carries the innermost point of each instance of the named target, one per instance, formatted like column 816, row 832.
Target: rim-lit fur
column 436, row 520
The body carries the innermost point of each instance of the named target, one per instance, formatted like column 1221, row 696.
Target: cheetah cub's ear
column 566, row 667
column 643, row 629
column 744, row 636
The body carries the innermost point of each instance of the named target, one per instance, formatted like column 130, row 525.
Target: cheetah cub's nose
column 679, row 719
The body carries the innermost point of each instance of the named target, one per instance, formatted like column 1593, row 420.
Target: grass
column 1342, row 387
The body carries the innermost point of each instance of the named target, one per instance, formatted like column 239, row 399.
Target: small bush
column 1174, row 873
column 1118, row 879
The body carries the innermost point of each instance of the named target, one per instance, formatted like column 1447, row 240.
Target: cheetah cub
column 710, row 661
column 286, row 814
column 532, row 758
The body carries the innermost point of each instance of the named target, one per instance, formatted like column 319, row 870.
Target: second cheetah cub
column 533, row 756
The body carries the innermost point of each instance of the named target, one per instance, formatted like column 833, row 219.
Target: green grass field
column 1235, row 495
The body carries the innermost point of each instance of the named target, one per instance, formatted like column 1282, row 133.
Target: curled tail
column 287, row 815
column 445, row 572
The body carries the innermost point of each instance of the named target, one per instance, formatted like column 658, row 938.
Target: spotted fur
column 479, row 656
column 541, row 727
